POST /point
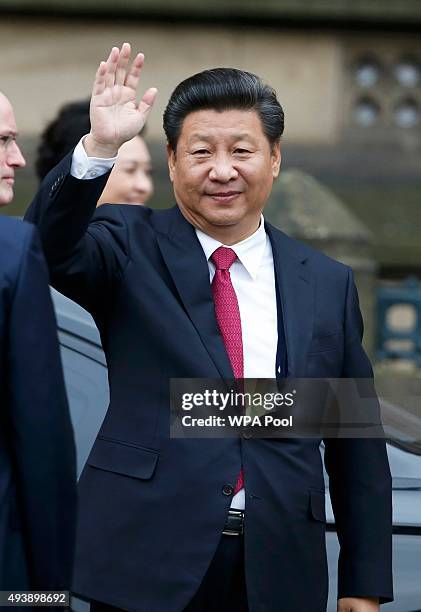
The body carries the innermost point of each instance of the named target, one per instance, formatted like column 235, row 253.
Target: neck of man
column 226, row 234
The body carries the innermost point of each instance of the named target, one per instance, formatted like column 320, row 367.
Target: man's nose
column 222, row 169
column 14, row 156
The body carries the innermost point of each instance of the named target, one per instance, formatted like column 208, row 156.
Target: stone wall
column 44, row 64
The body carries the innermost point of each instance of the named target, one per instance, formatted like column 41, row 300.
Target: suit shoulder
column 319, row 258
column 133, row 215
column 125, row 213
column 15, row 236
column 314, row 259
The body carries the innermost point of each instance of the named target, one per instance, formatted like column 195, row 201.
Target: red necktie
column 228, row 317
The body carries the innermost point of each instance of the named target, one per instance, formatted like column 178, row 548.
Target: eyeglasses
column 6, row 141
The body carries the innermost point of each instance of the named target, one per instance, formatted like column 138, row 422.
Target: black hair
column 62, row 134
column 223, row 89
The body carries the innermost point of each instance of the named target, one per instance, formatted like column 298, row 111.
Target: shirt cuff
column 85, row 168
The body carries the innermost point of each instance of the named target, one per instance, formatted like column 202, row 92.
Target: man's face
column 222, row 172
column 10, row 155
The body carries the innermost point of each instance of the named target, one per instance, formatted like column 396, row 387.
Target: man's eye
column 6, row 141
column 241, row 151
column 201, row 152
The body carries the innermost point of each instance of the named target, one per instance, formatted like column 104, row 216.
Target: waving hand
column 115, row 114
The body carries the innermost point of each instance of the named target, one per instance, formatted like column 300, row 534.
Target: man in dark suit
column 208, row 289
column 37, row 456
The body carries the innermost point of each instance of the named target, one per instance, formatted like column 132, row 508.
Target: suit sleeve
column 42, row 435
column 85, row 256
column 360, row 486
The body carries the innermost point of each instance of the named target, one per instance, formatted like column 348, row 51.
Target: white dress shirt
column 253, row 279
column 84, row 167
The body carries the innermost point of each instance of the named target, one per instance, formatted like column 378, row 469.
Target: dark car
column 87, row 386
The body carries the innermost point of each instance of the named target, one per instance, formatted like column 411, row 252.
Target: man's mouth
column 224, row 196
column 9, row 180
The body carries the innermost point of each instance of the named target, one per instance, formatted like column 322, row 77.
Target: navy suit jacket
column 152, row 508
column 37, row 455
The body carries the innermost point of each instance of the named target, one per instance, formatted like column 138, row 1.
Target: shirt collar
column 249, row 251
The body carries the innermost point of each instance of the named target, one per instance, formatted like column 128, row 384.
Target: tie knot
column 223, row 258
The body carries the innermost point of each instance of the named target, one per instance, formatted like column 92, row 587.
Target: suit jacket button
column 227, row 489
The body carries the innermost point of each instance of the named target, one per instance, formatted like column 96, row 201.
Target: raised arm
column 86, row 257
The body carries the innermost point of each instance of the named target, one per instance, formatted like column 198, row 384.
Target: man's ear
column 276, row 159
column 171, row 161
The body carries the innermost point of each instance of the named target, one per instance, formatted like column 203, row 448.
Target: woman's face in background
column 130, row 181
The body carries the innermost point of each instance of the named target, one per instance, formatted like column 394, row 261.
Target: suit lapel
column 296, row 291
column 187, row 264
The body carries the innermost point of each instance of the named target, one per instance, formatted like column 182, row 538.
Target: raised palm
column 115, row 115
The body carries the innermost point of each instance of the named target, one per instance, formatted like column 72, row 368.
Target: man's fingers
column 112, row 62
column 120, row 75
column 132, row 79
column 99, row 82
column 147, row 101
